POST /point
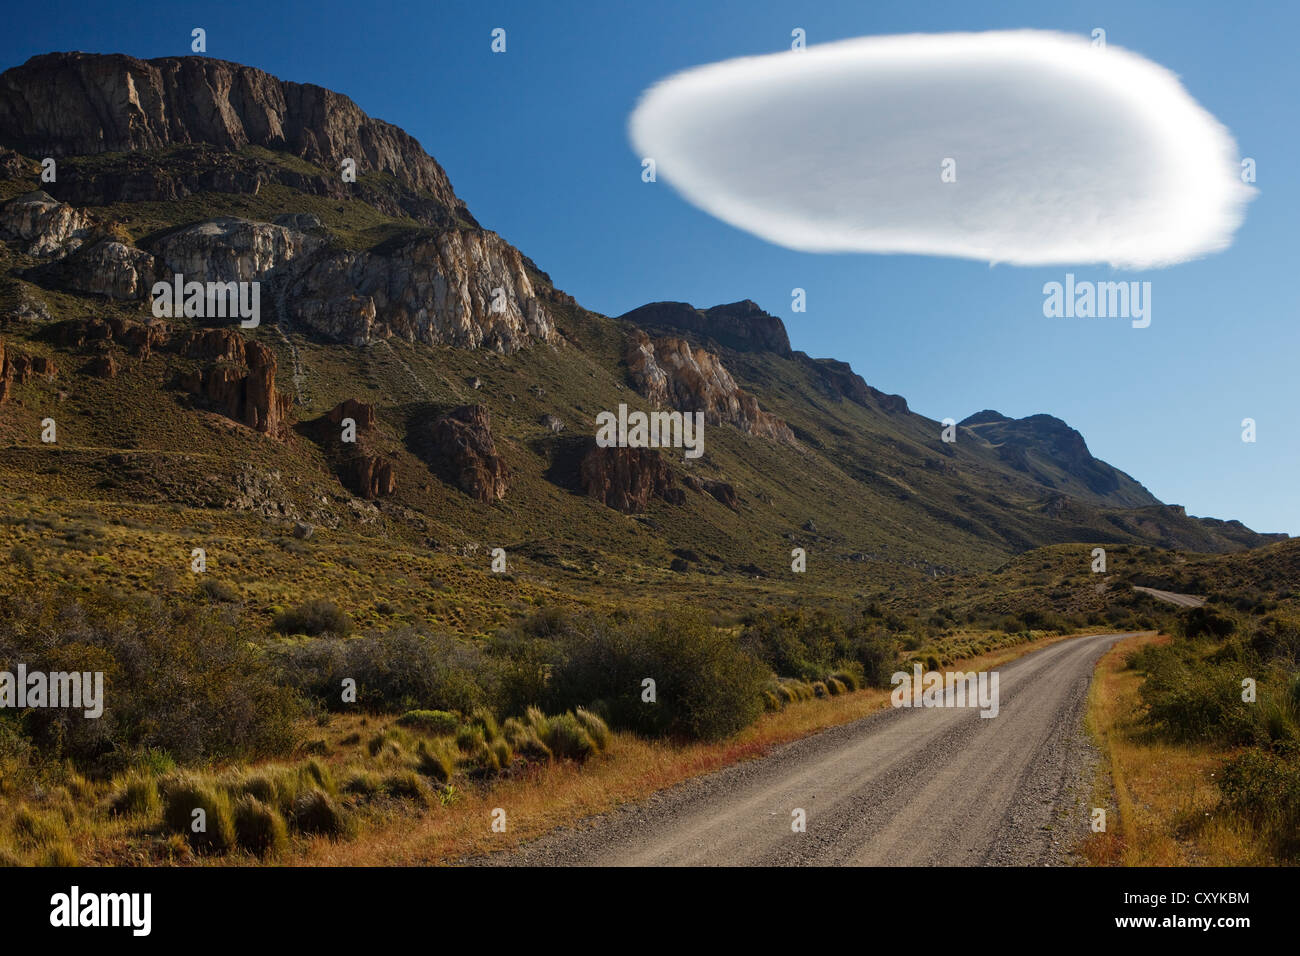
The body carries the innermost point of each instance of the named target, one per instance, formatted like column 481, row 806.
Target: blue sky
column 535, row 142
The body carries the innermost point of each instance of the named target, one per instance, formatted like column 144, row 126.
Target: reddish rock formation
column 461, row 444
column 721, row 490
column 361, row 468
column 627, row 478
column 17, row 368
column 371, row 476
column 102, row 367
column 142, row 337
column 360, row 412
column 244, row 390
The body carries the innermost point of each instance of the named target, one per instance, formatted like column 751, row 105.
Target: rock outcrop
column 668, row 372
column 371, row 476
column 627, row 478
column 242, row 386
column 45, row 226
column 140, row 337
column 359, row 463
column 721, row 491
column 231, row 250
column 465, row 288
column 839, row 379
column 459, row 444
column 65, row 104
column 18, row 368
column 110, row 268
column 742, row 326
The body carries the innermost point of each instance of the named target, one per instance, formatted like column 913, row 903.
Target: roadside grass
column 1164, row 796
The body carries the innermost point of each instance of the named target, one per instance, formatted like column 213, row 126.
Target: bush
column 525, row 741
column 439, row 722
column 407, row 785
column 567, row 738
column 400, row 670
column 314, row 811
column 259, row 828
column 218, row 592
column 138, row 796
column 1265, row 789
column 437, row 760
column 1198, row 700
column 596, row 728
column 363, row 783
column 315, row 773
column 1205, row 621
column 182, row 797
column 180, row 680
column 706, row 685
column 314, row 618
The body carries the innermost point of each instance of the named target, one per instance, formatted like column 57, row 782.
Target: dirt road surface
column 907, row 786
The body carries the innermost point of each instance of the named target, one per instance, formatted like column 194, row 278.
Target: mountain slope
column 478, row 381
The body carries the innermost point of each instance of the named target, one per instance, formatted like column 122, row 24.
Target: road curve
column 1172, row 597
column 906, row 786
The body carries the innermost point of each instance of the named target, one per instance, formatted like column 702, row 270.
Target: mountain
column 473, row 382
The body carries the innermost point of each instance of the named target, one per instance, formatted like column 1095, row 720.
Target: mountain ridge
column 481, row 420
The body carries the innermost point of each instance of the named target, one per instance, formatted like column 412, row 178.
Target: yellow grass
column 1164, row 794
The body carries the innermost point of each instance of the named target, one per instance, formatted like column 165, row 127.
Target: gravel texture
column 904, row 787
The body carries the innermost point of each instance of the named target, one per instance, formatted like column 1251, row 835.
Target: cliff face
column 668, row 372
column 742, row 326
column 62, row 104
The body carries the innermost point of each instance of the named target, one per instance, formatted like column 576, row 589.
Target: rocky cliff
column 68, row 104
column 669, row 372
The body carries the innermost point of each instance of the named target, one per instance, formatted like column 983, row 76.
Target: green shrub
column 437, row 760
column 363, row 783
column 596, row 728
column 1265, row 788
column 314, row 618
column 1205, row 621
column 408, row 785
column 400, row 670
column 181, row 680
column 440, row 722
column 567, row 738
column 138, row 796
column 259, row 828
column 218, row 592
column 315, row 773
column 1197, row 700
column 707, row 686
column 470, row 738
column 314, row 811
column 182, row 797
column 525, row 741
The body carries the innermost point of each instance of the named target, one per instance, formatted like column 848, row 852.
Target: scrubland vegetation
column 1202, row 728
column 309, row 728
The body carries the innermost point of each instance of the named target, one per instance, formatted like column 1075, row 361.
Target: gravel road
column 904, row 787
column 1170, row 597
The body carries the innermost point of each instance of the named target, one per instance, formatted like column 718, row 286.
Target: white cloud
column 1065, row 153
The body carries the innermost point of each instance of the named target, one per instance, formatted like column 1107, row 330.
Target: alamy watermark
column 209, row 300
column 953, row 689
column 76, row 689
column 651, row 430
column 1099, row 300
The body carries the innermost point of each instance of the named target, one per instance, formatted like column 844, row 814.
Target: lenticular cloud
column 1062, row 152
